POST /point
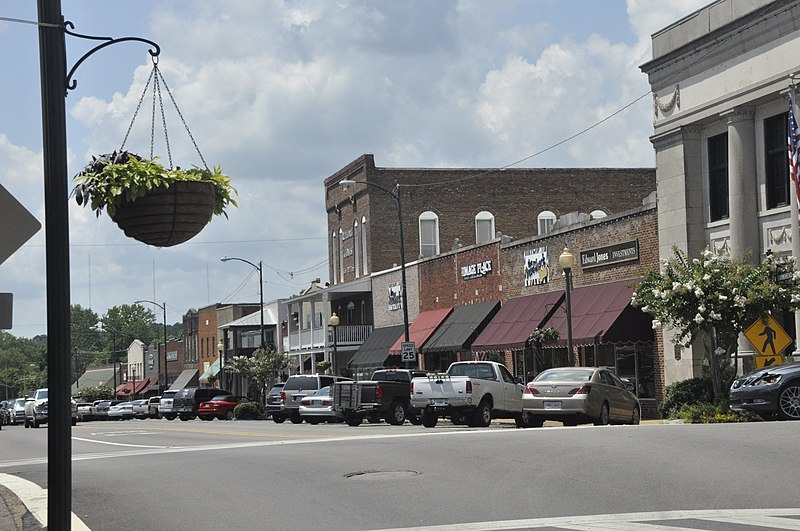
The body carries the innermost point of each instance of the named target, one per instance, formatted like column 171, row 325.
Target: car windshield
column 301, row 382
column 20, row 402
column 223, row 398
column 570, row 375
column 390, row 376
column 276, row 390
column 472, row 370
column 325, row 391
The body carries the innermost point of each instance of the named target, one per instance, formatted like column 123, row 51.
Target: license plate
column 552, row 405
column 440, row 402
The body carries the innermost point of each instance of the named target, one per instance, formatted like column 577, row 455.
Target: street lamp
column 221, row 350
column 395, row 195
column 260, row 289
column 334, row 323
column 163, row 307
column 567, row 261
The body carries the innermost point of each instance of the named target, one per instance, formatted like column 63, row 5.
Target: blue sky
column 282, row 94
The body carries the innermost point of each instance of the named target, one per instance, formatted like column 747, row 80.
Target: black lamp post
column 333, row 322
column 567, row 261
column 161, row 388
column 260, row 289
column 395, row 195
column 221, row 350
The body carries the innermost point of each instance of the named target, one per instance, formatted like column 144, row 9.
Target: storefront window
column 632, row 363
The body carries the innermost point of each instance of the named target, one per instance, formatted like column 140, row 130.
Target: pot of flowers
column 152, row 204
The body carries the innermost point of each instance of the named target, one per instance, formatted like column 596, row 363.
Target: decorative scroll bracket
column 666, row 106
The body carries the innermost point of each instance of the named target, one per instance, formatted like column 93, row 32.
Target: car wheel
column 458, row 420
column 229, row 415
column 312, row 421
column 170, row 417
column 27, row 424
column 74, row 422
column 527, row 420
column 278, row 418
column 789, row 402
column 35, row 422
column 603, row 419
column 184, row 418
column 353, row 420
column 637, row 416
column 373, row 419
column 295, row 418
column 482, row 416
column 397, row 414
column 429, row 418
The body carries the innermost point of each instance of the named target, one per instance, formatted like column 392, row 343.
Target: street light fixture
column 334, row 323
column 259, row 267
column 161, row 388
column 395, row 195
column 567, row 261
column 221, row 350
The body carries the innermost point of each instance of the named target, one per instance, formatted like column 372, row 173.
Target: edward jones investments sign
column 612, row 254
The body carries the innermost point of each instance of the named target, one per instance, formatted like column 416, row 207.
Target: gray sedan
column 575, row 394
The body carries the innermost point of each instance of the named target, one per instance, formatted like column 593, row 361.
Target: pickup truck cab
column 36, row 409
column 470, row 392
column 385, row 396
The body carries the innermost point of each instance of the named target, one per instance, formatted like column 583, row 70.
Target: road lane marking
column 119, row 444
column 35, row 499
column 660, row 520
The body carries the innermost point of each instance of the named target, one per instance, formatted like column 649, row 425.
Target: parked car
column 297, row 387
column 319, row 407
column 770, row 392
column 37, row 409
column 578, row 394
column 101, row 408
column 6, row 411
column 221, row 407
column 86, row 411
column 18, row 411
column 275, row 403
column 384, row 396
column 140, row 408
column 152, row 407
column 165, row 404
column 121, row 411
column 186, row 401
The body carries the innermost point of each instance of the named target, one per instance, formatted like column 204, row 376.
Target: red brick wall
column 207, row 336
column 441, row 284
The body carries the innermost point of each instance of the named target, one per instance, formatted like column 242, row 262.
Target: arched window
column 335, row 257
column 356, row 241
column 364, row 268
column 341, row 255
column 597, row 214
column 484, row 227
column 428, row 234
column 546, row 221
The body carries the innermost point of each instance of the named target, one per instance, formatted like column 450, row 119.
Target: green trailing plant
column 114, row 179
column 540, row 336
column 710, row 413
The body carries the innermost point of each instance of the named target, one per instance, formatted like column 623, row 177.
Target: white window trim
column 429, row 216
column 545, row 215
column 484, row 216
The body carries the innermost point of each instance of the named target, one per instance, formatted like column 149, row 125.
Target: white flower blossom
column 644, row 309
column 722, row 297
column 698, row 318
column 701, row 308
column 656, row 324
column 714, row 316
column 698, row 293
column 706, row 277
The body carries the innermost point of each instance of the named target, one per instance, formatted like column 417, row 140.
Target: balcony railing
column 345, row 335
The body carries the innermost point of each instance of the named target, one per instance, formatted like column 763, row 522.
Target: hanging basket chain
column 158, row 79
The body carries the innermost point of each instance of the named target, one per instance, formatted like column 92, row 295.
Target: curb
column 23, row 506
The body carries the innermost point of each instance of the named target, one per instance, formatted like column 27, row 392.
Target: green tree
column 101, row 392
column 710, row 300
column 23, row 364
column 123, row 324
column 261, row 367
column 85, row 339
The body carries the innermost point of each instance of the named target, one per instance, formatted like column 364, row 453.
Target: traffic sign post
column 408, row 352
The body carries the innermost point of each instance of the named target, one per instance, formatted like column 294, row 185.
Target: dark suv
column 297, row 387
column 275, row 403
column 187, row 401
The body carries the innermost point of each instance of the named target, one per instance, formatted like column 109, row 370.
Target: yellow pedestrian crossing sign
column 768, row 337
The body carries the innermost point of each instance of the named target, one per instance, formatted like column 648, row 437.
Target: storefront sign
column 536, row 270
column 612, row 254
column 478, row 270
column 172, row 356
column 347, row 234
column 395, row 297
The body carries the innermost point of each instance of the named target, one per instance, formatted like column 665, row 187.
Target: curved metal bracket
column 69, row 82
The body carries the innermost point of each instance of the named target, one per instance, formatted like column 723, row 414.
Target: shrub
column 709, row 413
column 101, row 392
column 249, row 410
column 679, row 394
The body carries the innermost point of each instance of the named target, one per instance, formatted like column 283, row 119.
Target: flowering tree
column 712, row 299
column 263, row 365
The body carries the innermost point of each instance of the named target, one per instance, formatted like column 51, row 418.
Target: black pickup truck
column 385, row 396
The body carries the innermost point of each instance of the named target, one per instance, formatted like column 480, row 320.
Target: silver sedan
column 575, row 394
column 319, row 408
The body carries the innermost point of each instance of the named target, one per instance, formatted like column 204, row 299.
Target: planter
column 168, row 216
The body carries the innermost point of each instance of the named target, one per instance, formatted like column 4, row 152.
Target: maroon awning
column 517, row 319
column 422, row 328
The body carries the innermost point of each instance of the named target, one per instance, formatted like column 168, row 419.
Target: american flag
column 794, row 156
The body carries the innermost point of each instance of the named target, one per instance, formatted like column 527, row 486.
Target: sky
column 282, row 94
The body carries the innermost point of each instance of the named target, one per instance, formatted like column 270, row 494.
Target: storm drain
column 379, row 475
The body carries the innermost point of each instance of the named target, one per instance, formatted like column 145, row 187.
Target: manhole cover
column 378, row 475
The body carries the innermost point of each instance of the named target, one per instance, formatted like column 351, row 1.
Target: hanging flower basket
column 151, row 204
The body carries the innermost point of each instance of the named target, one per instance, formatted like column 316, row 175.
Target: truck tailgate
column 439, row 387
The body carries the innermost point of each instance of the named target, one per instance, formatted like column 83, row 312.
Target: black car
column 187, row 401
column 275, row 403
column 769, row 392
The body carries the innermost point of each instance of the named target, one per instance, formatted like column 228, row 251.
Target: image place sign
column 478, row 270
column 611, row 254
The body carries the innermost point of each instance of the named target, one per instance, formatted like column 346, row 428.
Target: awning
column 124, row 389
column 184, row 379
column 422, row 328
column 603, row 314
column 517, row 319
column 93, row 378
column 462, row 327
column 211, row 372
column 375, row 349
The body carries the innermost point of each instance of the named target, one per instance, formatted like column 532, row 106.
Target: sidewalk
column 14, row 516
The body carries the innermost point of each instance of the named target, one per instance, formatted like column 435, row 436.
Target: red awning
column 422, row 328
column 596, row 315
column 517, row 319
column 124, row 389
column 141, row 386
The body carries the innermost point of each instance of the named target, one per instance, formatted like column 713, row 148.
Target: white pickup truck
column 470, row 392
